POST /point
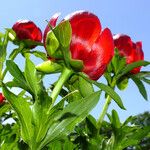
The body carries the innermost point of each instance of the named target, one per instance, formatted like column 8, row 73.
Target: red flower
column 89, row 43
column 27, row 30
column 2, row 98
column 127, row 48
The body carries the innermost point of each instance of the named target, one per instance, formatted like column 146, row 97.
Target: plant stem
column 106, row 105
column 104, row 111
column 62, row 79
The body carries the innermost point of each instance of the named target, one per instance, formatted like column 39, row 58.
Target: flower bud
column 27, row 30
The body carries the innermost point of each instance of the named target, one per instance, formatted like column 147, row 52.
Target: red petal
column 85, row 26
column 139, row 55
column 27, row 30
column 79, row 49
column 2, row 98
column 52, row 22
column 100, row 56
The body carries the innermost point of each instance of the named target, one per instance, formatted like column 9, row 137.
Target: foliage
column 40, row 117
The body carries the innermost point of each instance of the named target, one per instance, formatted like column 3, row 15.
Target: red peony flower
column 89, row 43
column 26, row 29
column 2, row 98
column 127, row 48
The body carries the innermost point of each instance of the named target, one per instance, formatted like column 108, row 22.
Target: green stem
column 104, row 111
column 106, row 105
column 62, row 79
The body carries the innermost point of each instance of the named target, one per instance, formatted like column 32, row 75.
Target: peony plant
column 40, row 117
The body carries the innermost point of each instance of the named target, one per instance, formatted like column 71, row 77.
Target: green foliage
column 41, row 120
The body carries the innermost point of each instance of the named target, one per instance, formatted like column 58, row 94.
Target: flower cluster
column 89, row 43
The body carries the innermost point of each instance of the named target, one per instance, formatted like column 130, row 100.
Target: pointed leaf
column 107, row 89
column 31, row 76
column 22, row 108
column 80, row 111
column 112, row 94
column 85, row 87
column 115, row 119
column 129, row 67
column 140, row 86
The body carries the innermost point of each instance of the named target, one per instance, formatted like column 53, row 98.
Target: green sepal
column 63, row 33
column 48, row 67
column 77, row 65
column 122, row 83
column 52, row 43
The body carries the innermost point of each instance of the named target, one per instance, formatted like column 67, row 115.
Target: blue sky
column 130, row 17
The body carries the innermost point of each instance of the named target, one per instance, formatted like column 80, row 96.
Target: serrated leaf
column 140, row 86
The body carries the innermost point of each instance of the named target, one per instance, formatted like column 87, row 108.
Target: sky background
column 131, row 17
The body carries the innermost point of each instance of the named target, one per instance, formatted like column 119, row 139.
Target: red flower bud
column 2, row 98
column 89, row 43
column 27, row 30
column 127, row 48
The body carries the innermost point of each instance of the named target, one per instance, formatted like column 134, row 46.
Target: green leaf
column 115, row 119
column 143, row 74
column 4, row 108
column 107, row 89
column 85, row 87
column 79, row 112
column 22, row 108
column 19, row 79
column 129, row 67
column 31, row 76
column 15, row 71
column 39, row 54
column 52, row 43
column 91, row 124
column 135, row 136
column 146, row 80
column 128, row 120
column 3, row 46
column 112, row 94
column 63, row 33
column 140, row 86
